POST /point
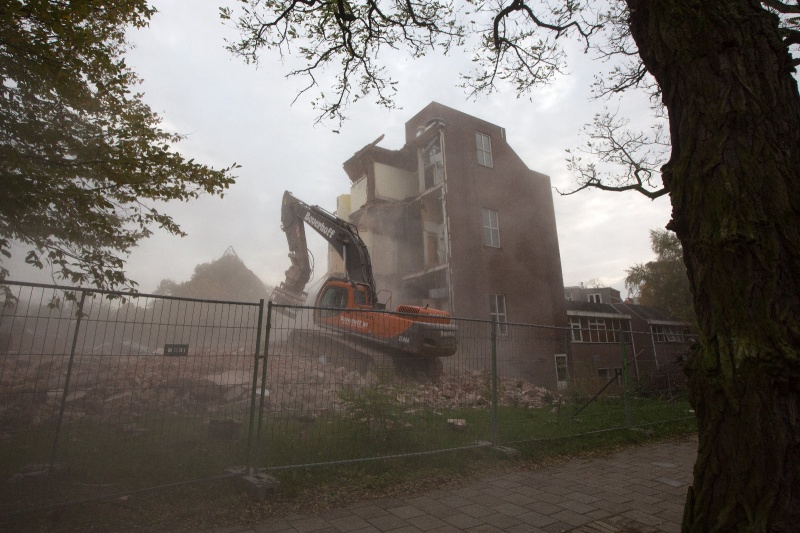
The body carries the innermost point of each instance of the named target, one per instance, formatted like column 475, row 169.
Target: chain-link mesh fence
column 105, row 393
column 101, row 396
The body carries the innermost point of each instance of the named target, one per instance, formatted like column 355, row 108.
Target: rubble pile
column 129, row 389
column 471, row 389
column 125, row 389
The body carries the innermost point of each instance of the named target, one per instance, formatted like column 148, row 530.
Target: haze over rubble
column 226, row 278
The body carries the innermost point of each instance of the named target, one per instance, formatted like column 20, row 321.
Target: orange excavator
column 348, row 319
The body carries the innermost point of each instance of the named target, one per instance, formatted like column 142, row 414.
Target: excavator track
column 354, row 355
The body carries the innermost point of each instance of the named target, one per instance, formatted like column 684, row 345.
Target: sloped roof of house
column 591, row 307
column 647, row 312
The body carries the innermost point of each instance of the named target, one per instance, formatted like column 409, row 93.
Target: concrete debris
column 471, row 389
column 218, row 388
column 457, row 423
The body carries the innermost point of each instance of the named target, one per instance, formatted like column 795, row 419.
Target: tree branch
column 638, row 155
column 597, row 184
column 782, row 7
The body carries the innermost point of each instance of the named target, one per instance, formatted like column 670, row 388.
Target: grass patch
column 94, row 460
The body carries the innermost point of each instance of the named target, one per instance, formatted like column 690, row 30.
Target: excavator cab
column 347, row 306
column 338, row 295
column 333, row 297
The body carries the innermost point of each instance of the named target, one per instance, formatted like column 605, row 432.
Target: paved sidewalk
column 640, row 489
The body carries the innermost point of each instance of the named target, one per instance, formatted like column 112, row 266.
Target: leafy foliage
column 663, row 283
column 82, row 158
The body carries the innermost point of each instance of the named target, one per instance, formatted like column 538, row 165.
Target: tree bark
column 734, row 183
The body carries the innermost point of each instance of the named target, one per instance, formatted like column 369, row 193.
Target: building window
column 562, row 372
column 668, row 333
column 433, row 163
column 596, row 298
column 577, row 332
column 598, row 330
column 609, row 374
column 497, row 312
column 484, row 143
column 491, row 228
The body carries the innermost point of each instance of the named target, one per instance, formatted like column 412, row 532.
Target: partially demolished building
column 456, row 220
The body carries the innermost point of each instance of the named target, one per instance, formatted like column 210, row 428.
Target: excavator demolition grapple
column 350, row 328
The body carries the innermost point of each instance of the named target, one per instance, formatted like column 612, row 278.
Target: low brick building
column 654, row 344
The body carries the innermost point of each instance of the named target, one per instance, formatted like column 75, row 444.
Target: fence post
column 66, row 392
column 494, row 428
column 263, row 385
column 625, row 386
column 256, row 357
column 669, row 386
column 568, row 351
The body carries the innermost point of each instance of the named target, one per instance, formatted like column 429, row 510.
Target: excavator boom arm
column 342, row 236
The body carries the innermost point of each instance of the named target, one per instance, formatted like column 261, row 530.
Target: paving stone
column 665, row 465
column 455, row 501
column 643, row 517
column 406, row 511
column 407, row 529
column 535, row 519
column 614, row 497
column 463, row 521
column 581, row 497
column 671, row 482
column 427, row 522
column 525, row 528
column 549, row 497
column 511, row 509
column 501, row 520
column 475, row 510
column 488, row 500
column 544, row 507
column 598, row 514
column 369, row 511
column 645, row 499
column 307, row 525
column 351, row 523
column 388, row 523
column 571, row 517
column 336, row 513
column 520, row 499
column 558, row 527
column 446, row 529
column 436, row 508
column 388, row 503
column 467, row 492
column 577, row 507
column 276, row 524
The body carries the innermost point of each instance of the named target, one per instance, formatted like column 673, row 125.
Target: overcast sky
column 233, row 112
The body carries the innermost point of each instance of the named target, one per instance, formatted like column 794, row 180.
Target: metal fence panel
column 104, row 395
column 101, row 396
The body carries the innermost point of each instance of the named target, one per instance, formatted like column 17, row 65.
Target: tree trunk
column 734, row 183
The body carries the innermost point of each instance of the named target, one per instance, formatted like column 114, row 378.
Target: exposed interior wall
column 358, row 195
column 394, row 183
column 383, row 252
